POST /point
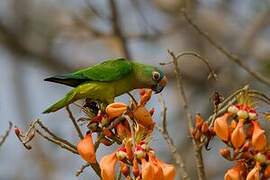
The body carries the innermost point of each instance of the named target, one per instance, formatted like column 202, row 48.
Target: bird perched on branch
column 107, row 80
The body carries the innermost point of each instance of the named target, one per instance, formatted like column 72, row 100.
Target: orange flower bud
column 233, row 174
column 221, row 127
column 106, row 141
column 135, row 168
column 115, row 109
column 86, row 149
column 107, row 166
column 143, row 117
column 205, row 128
column 145, row 96
column 128, row 147
column 225, row 152
column 124, row 169
column 17, row 131
column 238, row 136
column 266, row 173
column 122, row 131
column 258, row 137
column 198, row 121
column 107, row 132
column 254, row 174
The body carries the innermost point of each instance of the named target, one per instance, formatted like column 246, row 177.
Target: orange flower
column 143, row 117
column 115, row 109
column 233, row 173
column 258, row 137
column 86, row 149
column 168, row 170
column 238, row 136
column 107, row 166
column 147, row 170
column 158, row 172
column 254, row 174
column 221, row 127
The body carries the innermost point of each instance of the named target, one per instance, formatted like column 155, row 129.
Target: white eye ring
column 155, row 75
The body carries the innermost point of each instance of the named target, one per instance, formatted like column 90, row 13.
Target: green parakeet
column 107, row 80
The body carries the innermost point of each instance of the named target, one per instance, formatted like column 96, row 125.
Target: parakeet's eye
column 156, row 75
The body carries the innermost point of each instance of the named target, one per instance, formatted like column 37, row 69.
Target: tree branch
column 117, row 29
column 4, row 137
column 72, row 118
column 177, row 157
column 183, row 97
column 224, row 51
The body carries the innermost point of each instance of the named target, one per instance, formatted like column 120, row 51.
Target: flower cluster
column 131, row 127
column 246, row 142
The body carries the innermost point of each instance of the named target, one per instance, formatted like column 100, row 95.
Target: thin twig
column 74, row 122
column 132, row 97
column 55, row 136
column 117, row 29
column 177, row 157
column 4, row 137
column 183, row 97
column 28, row 136
column 81, row 169
column 224, row 51
column 65, row 144
column 59, row 143
column 199, row 57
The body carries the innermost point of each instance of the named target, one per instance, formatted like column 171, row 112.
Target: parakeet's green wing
column 110, row 70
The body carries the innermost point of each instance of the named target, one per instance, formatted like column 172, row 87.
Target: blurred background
column 43, row 38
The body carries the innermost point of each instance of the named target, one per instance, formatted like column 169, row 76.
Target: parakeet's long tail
column 69, row 98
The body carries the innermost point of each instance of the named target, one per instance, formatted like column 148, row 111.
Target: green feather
column 110, row 70
column 103, row 91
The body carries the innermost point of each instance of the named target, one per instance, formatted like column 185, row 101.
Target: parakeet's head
column 159, row 79
column 151, row 77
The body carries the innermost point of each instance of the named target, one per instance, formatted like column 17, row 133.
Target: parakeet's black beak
column 160, row 85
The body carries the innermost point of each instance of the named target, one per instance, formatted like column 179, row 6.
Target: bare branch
column 4, row 137
column 224, row 51
column 55, row 136
column 80, row 171
column 177, row 157
column 59, row 143
column 117, row 29
column 191, row 53
column 72, row 118
column 183, row 97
